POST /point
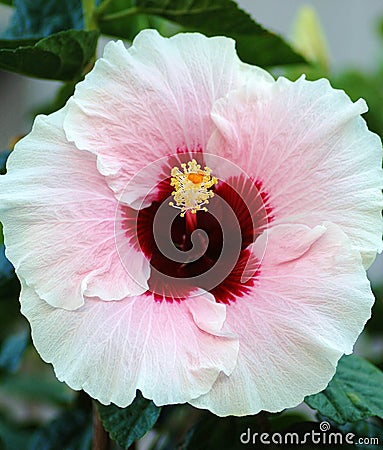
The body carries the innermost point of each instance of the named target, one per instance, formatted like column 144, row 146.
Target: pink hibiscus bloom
column 190, row 227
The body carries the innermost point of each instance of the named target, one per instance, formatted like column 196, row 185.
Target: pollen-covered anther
column 191, row 187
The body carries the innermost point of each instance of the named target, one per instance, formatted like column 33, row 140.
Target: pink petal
column 172, row 352
column 309, row 305
column 308, row 146
column 152, row 100
column 59, row 221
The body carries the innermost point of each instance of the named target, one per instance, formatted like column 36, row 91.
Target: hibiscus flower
column 190, row 227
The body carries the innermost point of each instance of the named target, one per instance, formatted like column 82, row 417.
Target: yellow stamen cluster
column 191, row 187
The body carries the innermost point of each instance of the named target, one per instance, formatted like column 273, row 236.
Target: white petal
column 172, row 352
column 308, row 306
column 152, row 100
column 59, row 221
column 313, row 153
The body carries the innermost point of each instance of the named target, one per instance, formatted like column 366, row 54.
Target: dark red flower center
column 206, row 250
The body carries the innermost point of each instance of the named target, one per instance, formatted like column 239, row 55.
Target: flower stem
column 88, row 8
column 101, row 439
column 151, row 11
column 103, row 6
column 119, row 14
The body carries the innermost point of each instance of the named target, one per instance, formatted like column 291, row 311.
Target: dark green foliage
column 72, row 430
column 61, row 56
column 354, row 393
column 6, row 268
column 12, row 350
column 7, row 273
column 44, row 388
column 3, row 159
column 212, row 17
column 125, row 425
column 14, row 437
column 368, row 86
column 216, row 433
column 45, row 39
column 9, row 303
column 130, row 25
column 362, row 430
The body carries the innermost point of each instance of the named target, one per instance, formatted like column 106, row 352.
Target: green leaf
column 255, row 45
column 130, row 25
column 41, row 18
column 368, row 86
column 12, row 351
column 126, row 425
column 6, row 2
column 72, row 430
column 353, row 394
column 61, row 56
column 362, row 430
